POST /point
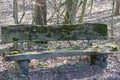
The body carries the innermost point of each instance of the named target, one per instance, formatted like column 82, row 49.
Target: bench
column 35, row 33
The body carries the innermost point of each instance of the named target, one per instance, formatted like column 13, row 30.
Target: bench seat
column 51, row 54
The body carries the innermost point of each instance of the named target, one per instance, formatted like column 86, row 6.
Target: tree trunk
column 15, row 11
column 83, row 11
column 91, row 6
column 40, row 12
column 71, row 9
column 117, row 7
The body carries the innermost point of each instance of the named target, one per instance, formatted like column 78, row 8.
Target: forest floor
column 70, row 68
column 75, row 69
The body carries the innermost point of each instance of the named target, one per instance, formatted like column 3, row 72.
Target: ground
column 67, row 68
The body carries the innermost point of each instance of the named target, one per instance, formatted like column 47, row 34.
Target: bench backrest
column 24, row 33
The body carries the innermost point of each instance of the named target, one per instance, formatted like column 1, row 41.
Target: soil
column 64, row 68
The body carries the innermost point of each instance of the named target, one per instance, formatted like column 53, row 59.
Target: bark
column 23, row 12
column 83, row 11
column 15, row 11
column 91, row 6
column 117, row 7
column 40, row 12
column 71, row 9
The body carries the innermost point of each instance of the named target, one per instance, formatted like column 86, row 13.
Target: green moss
column 15, row 39
column 13, row 52
column 42, row 64
column 12, row 38
column 54, row 32
column 41, row 42
column 113, row 46
column 58, row 65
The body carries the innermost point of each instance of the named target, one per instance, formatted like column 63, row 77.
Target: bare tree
column 91, row 5
column 117, row 7
column 83, row 11
column 40, row 12
column 15, row 11
column 71, row 10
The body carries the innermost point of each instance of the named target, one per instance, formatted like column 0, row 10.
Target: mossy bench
column 35, row 33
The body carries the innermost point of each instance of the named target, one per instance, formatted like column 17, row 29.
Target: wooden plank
column 28, row 56
column 23, row 33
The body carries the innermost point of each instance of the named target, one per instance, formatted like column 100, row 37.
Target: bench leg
column 99, row 60
column 22, row 66
column 92, row 60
